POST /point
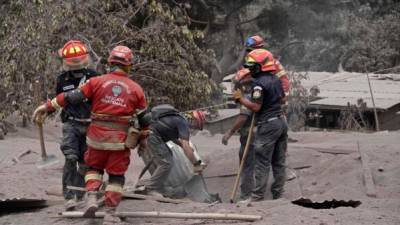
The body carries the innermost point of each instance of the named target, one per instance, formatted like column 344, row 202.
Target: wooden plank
column 368, row 179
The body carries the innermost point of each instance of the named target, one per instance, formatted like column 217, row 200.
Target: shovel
column 246, row 150
column 47, row 160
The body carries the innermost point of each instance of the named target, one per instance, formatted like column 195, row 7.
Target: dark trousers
column 270, row 150
column 73, row 146
column 247, row 176
column 162, row 159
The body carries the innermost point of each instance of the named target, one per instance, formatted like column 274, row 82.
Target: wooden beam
column 175, row 215
column 368, row 179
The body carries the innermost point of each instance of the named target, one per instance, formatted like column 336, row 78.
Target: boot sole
column 90, row 211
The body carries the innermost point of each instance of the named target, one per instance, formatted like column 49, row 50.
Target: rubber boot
column 70, row 204
column 91, row 205
column 110, row 217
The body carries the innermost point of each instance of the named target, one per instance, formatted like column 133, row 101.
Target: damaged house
column 344, row 100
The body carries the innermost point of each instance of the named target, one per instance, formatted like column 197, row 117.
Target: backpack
column 163, row 110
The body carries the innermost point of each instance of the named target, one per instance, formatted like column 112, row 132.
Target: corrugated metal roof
column 337, row 89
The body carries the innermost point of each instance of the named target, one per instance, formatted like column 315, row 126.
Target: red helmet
column 198, row 119
column 121, row 55
column 261, row 57
column 254, row 42
column 243, row 76
column 74, row 54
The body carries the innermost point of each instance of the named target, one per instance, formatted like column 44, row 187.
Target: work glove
column 40, row 114
column 226, row 137
column 237, row 95
column 199, row 167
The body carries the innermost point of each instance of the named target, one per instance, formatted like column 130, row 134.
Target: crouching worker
column 167, row 124
column 116, row 99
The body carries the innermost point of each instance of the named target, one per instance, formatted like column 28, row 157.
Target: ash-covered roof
column 337, row 89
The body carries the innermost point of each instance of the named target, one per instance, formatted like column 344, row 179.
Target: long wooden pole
column 373, row 102
column 246, row 150
column 175, row 215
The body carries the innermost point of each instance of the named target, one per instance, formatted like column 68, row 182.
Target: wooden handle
column 246, row 150
column 41, row 138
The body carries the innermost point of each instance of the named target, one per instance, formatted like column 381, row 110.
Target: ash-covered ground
column 326, row 176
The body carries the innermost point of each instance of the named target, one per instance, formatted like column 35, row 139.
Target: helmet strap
column 122, row 68
column 255, row 69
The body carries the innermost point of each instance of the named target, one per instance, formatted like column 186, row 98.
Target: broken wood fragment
column 155, row 198
column 17, row 158
column 330, row 150
column 299, row 165
column 221, row 175
column 175, row 215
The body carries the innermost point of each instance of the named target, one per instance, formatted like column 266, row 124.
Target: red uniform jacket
column 115, row 99
column 282, row 75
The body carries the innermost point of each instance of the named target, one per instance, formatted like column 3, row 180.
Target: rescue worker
column 167, row 124
column 270, row 140
column 242, row 124
column 257, row 42
column 116, row 99
column 75, row 118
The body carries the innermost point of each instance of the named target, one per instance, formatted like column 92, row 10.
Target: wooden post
column 373, row 102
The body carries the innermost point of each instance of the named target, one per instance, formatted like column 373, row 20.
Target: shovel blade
column 48, row 161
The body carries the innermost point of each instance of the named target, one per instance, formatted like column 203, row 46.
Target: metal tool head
column 47, row 161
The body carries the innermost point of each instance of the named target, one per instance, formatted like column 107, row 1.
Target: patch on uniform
column 68, row 87
column 116, row 90
column 257, row 92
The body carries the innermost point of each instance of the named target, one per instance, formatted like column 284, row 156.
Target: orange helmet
column 198, row 119
column 121, row 55
column 75, row 55
column 254, row 42
column 261, row 57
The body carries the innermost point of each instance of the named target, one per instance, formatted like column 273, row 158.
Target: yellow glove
column 40, row 114
column 237, row 94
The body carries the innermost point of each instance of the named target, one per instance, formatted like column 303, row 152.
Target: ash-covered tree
column 170, row 65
